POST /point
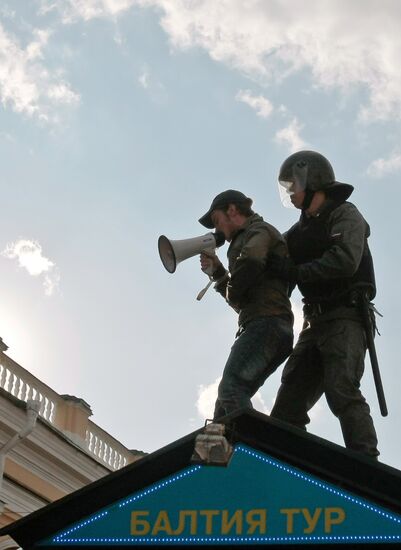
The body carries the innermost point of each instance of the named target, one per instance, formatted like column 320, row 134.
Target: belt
column 318, row 308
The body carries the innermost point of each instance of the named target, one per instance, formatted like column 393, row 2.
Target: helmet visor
column 294, row 184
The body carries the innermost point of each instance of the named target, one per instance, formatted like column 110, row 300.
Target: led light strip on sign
column 205, row 520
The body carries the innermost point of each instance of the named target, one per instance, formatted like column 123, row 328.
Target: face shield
column 292, row 183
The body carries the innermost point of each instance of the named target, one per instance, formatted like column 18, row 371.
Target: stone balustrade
column 20, row 383
column 106, row 448
column 66, row 413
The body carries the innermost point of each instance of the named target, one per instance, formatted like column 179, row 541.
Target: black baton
column 370, row 330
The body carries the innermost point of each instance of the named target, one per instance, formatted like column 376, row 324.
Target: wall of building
column 64, row 452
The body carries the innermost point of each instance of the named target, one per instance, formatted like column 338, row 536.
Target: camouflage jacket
column 246, row 285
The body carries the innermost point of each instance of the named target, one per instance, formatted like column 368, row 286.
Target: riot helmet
column 310, row 171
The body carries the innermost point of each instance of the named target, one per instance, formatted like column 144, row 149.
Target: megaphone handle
column 210, row 253
column 204, row 290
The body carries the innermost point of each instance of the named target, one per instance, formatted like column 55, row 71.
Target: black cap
column 221, row 201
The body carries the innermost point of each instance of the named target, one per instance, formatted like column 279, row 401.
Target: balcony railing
column 99, row 444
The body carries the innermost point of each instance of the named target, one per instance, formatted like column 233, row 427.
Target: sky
column 120, row 121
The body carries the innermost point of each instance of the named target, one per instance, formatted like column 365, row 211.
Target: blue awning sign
column 255, row 500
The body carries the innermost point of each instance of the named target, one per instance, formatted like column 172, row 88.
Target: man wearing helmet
column 330, row 261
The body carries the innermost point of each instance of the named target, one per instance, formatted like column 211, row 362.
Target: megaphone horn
column 174, row 252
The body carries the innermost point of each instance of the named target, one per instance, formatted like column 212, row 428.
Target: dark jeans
column 261, row 346
column 329, row 359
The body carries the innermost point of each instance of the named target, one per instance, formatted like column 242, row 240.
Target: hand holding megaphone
column 173, row 252
column 209, row 263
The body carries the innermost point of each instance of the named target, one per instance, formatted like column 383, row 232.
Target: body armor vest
column 308, row 240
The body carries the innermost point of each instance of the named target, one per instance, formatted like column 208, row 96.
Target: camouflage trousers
column 329, row 358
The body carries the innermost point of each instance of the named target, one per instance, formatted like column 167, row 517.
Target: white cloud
column 297, row 310
column 382, row 167
column 259, row 404
column 290, row 136
column 207, row 397
column 149, row 82
column 51, row 281
column 29, row 255
column 7, row 137
column 26, row 85
column 62, row 93
column 283, row 110
column 87, row 9
column 7, row 13
column 259, row 103
column 338, row 42
column 144, row 78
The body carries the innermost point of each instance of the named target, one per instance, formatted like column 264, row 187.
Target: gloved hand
column 282, row 268
column 211, row 265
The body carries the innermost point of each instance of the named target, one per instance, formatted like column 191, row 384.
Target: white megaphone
column 173, row 252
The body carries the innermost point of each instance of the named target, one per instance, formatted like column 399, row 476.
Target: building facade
column 64, row 452
column 251, row 481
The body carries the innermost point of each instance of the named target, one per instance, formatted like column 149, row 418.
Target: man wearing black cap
column 265, row 336
column 331, row 263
